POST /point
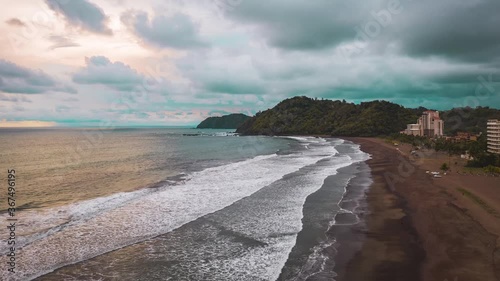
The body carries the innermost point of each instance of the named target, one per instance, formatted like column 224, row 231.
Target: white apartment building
column 412, row 129
column 493, row 136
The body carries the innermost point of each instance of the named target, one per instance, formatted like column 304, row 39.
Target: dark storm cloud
column 453, row 77
column 81, row 13
column 413, row 52
column 15, row 22
column 177, row 31
column 100, row 70
column 301, row 24
column 18, row 79
column 463, row 30
column 230, row 87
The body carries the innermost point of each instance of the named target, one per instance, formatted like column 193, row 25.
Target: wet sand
column 417, row 227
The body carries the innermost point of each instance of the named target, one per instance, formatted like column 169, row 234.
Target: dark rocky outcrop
column 231, row 121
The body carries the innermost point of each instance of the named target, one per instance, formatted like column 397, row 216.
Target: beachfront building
column 412, row 129
column 466, row 136
column 493, row 136
column 463, row 137
column 429, row 125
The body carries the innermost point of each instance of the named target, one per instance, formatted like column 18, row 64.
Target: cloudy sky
column 175, row 62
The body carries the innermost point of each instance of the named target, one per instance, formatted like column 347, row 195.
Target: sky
column 176, row 62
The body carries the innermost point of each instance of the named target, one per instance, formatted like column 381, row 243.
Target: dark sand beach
column 417, row 227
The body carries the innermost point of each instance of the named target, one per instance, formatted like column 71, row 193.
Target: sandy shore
column 417, row 227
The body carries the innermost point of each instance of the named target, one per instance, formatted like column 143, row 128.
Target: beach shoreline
column 416, row 227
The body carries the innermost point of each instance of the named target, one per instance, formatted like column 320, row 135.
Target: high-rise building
column 493, row 136
column 431, row 124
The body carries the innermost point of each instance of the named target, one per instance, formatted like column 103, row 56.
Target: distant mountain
column 306, row 116
column 231, row 121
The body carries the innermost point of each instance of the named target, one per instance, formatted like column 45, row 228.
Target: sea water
column 173, row 204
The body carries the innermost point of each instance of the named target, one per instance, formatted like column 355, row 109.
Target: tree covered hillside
column 231, row 121
column 303, row 115
column 468, row 119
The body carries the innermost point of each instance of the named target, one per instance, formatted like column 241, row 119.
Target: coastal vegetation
column 452, row 147
column 474, row 149
column 306, row 116
column 444, row 167
column 468, row 119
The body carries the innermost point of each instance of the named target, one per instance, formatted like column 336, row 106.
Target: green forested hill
column 303, row 116
column 468, row 119
column 231, row 121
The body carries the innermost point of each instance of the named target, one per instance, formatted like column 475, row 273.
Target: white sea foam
column 83, row 230
column 278, row 219
column 77, row 232
column 294, row 213
column 302, row 139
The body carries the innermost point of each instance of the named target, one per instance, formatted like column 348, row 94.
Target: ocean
column 176, row 204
